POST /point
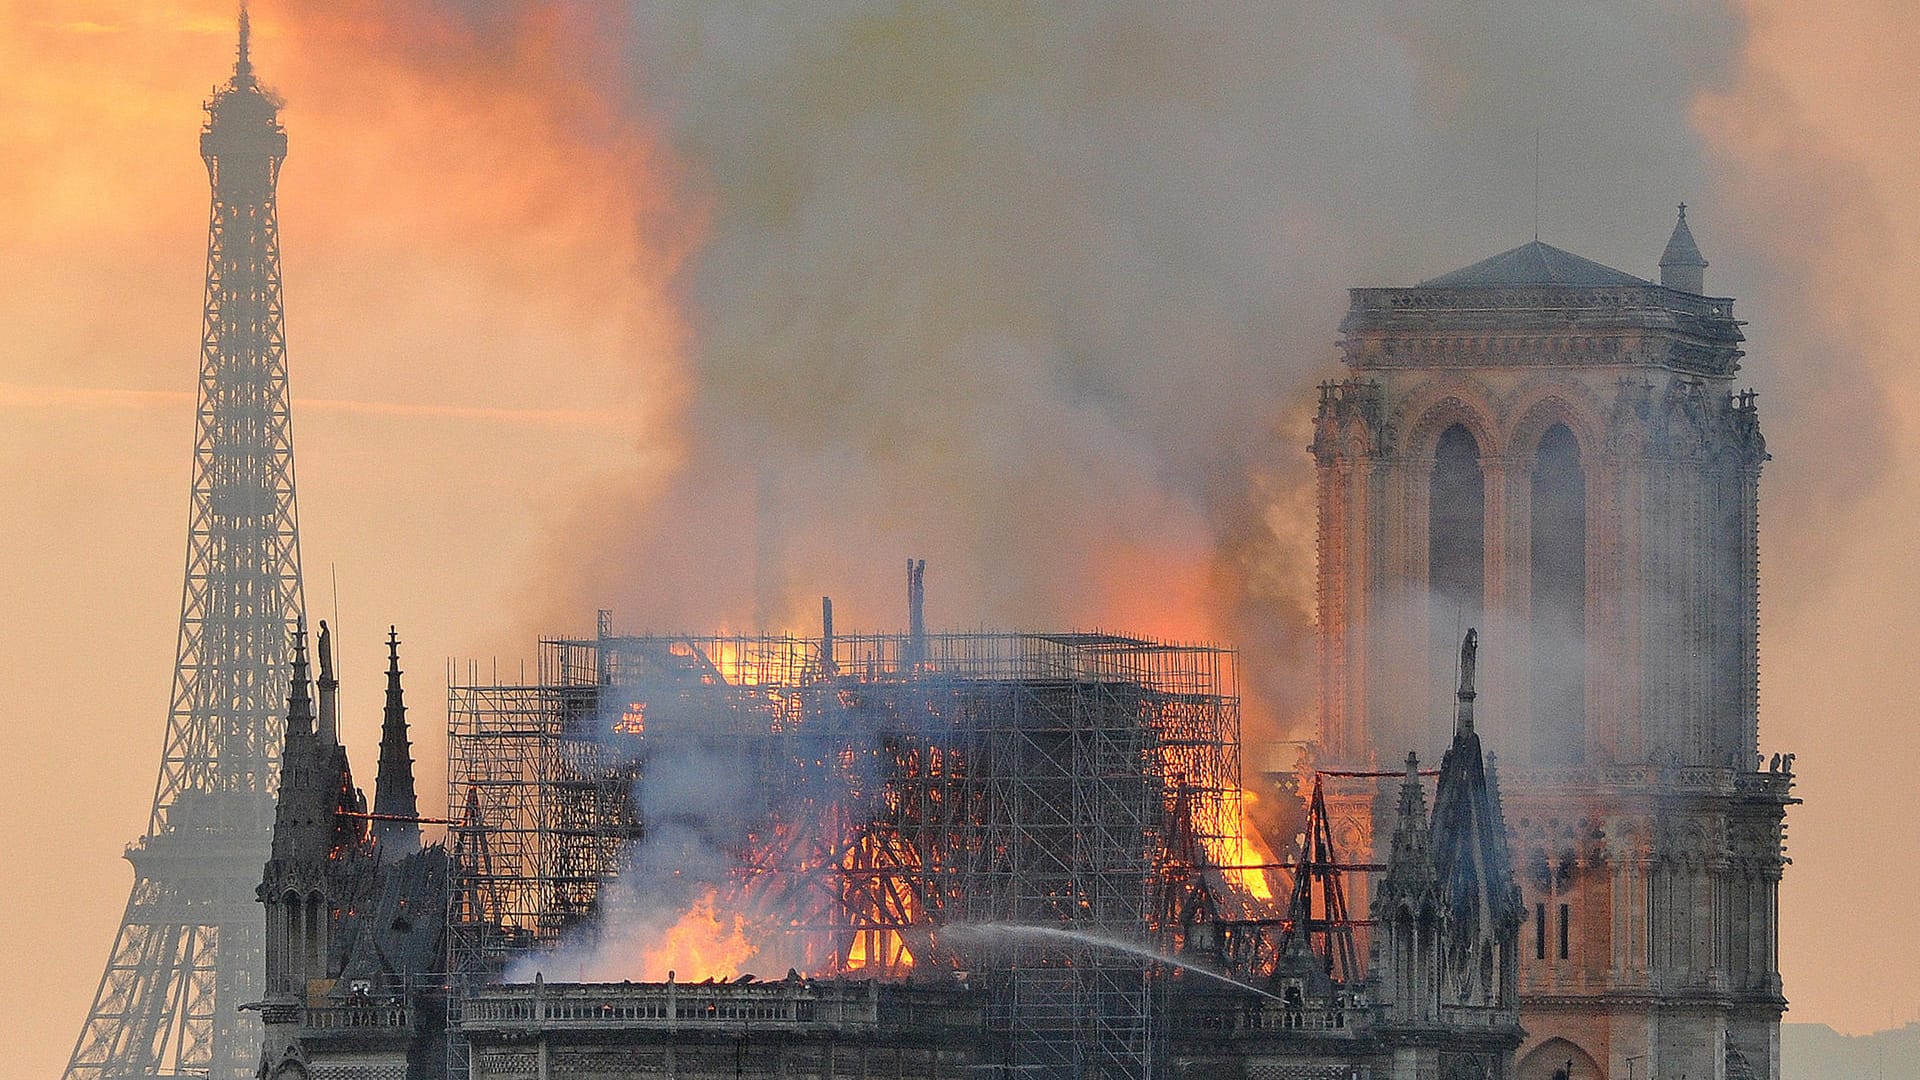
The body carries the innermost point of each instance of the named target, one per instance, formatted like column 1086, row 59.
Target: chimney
column 1681, row 266
column 916, row 612
column 827, row 665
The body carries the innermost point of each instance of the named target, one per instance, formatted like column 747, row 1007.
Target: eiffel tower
column 190, row 949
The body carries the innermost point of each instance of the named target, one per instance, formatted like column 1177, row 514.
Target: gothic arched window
column 1558, row 641
column 1456, row 551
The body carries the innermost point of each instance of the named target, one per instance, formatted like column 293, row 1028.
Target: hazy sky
column 698, row 311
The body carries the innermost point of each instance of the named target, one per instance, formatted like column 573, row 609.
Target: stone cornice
column 1527, row 326
column 1694, row 780
column 1691, row 997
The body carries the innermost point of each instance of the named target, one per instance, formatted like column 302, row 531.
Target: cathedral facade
column 1556, row 452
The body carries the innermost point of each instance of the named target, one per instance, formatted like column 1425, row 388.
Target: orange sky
column 1830, row 93
column 479, row 359
column 468, row 364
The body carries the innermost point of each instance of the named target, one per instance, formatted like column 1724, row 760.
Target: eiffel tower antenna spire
column 190, row 949
column 243, row 63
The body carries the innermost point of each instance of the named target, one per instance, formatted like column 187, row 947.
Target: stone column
column 1508, row 533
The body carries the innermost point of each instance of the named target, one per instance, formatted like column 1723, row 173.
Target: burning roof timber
column 966, row 851
column 838, row 805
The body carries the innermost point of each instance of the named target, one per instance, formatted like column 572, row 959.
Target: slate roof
column 1681, row 250
column 1534, row 263
column 1470, row 856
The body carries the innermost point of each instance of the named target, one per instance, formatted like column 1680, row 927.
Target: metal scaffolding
column 896, row 795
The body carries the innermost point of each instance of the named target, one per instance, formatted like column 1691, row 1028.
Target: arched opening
column 1557, row 1058
column 1406, row 964
column 316, row 937
column 1558, row 638
column 1456, row 553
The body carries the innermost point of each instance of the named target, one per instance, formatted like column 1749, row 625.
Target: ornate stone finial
column 1413, row 800
column 328, row 727
column 1409, row 873
column 1463, row 707
column 326, row 651
column 1681, row 266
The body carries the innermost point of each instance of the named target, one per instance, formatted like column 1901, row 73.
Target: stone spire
column 1470, row 855
column 393, row 794
column 1410, row 877
column 302, row 807
column 916, row 650
column 1682, row 267
column 299, row 703
column 1406, row 905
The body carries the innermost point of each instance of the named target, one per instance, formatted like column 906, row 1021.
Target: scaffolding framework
column 900, row 792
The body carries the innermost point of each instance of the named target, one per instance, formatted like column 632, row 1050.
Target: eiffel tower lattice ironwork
column 190, row 949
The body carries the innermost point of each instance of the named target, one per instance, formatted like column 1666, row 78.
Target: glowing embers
column 880, row 895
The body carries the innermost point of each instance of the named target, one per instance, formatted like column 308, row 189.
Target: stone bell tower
column 1555, row 452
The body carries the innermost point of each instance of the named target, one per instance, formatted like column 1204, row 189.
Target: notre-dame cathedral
column 1556, row 452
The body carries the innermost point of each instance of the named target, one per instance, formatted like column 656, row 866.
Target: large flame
column 727, row 655
column 1242, row 853
column 884, row 950
column 880, row 950
column 706, row 942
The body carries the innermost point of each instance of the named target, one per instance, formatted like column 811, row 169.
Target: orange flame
column 884, row 950
column 705, row 942
column 1243, row 854
column 729, row 658
column 881, row 950
column 732, row 662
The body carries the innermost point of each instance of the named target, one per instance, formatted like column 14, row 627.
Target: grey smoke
column 698, row 800
column 1008, row 285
